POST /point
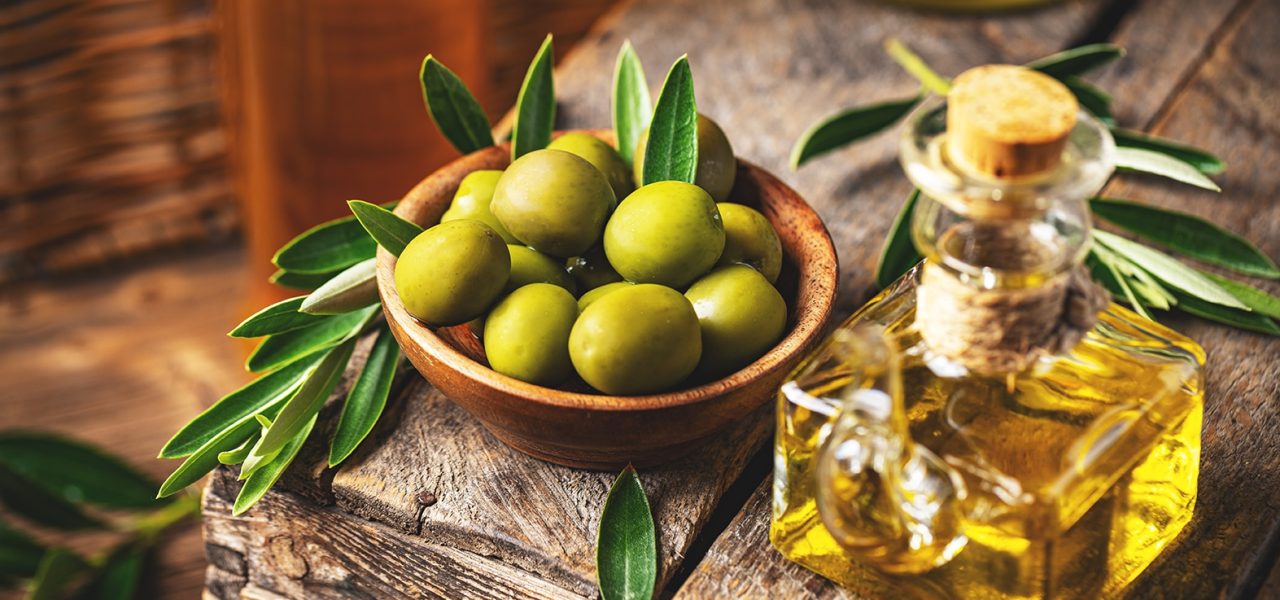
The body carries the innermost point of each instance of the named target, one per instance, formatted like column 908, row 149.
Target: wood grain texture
column 1155, row 66
column 109, row 132
column 439, row 480
column 288, row 547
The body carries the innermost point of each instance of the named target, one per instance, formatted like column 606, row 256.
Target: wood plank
column 442, row 486
column 1224, row 549
column 288, row 547
column 1148, row 77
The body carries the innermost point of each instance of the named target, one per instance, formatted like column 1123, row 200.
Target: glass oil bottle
column 954, row 438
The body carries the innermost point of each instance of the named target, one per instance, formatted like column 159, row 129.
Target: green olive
column 667, row 232
column 526, row 336
column 554, row 201
column 472, row 199
column 452, row 272
column 591, row 270
column 741, row 316
column 716, row 166
column 601, row 156
column 749, row 239
column 597, row 293
column 636, row 340
column 530, row 266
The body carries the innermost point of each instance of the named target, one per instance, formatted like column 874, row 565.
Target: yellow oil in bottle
column 1076, row 473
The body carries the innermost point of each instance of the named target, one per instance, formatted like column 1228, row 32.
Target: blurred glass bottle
column 322, row 106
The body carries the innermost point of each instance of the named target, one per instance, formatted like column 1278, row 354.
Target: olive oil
column 990, row 426
column 1078, row 472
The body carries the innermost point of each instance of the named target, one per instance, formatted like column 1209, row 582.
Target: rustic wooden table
column 438, row 507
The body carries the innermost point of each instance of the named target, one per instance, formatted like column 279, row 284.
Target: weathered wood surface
column 1215, row 97
column 438, row 480
column 439, row 488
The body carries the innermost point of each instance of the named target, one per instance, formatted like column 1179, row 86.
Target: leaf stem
column 150, row 526
column 913, row 64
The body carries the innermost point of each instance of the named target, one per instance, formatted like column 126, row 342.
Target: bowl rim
column 809, row 322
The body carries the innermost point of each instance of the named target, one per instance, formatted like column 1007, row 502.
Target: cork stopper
column 1006, row 122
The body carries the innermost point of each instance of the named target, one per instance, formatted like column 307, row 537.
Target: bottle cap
column 1007, row 122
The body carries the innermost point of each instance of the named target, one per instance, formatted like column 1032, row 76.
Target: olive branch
column 1137, row 274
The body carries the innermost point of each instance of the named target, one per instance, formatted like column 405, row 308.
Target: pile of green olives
column 565, row 266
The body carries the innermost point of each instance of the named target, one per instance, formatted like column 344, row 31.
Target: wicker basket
column 110, row 141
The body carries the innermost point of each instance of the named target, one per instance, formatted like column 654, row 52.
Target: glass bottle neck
column 1001, row 233
column 1021, row 252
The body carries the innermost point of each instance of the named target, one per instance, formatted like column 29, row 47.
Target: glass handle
column 884, row 498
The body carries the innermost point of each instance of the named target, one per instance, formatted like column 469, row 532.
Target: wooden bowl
column 579, row 428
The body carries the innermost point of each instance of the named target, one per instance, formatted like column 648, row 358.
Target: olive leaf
column 58, row 569
column 899, row 253
column 19, row 554
column 631, row 104
column 385, row 227
column 262, row 479
column 256, row 456
column 913, row 64
column 283, row 348
column 1188, row 235
column 118, row 577
column 367, row 398
column 1243, row 319
column 28, row 499
column 306, row 403
column 1093, row 99
column 327, row 247
column 1168, row 269
column 1137, row 274
column 301, row 281
column 205, row 458
column 75, row 471
column 535, row 106
column 1257, row 300
column 237, row 455
column 1203, row 160
column 626, row 546
column 278, row 318
column 1077, row 61
column 1117, row 280
column 671, row 153
column 237, row 405
column 354, row 288
column 1139, row 160
column 848, row 126
column 1153, row 293
column 453, row 108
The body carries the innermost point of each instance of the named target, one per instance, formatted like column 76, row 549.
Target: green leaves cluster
column 308, row 340
column 1142, row 276
column 307, row 345
column 56, row 483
